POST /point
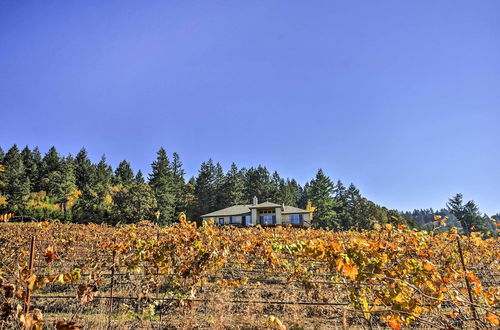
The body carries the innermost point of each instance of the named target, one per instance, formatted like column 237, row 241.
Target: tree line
column 73, row 188
column 458, row 213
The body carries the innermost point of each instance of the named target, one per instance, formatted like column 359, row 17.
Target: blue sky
column 400, row 97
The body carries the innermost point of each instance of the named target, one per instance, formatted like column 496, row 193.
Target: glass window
column 246, row 220
column 266, row 220
column 295, row 219
column 221, row 221
column 233, row 219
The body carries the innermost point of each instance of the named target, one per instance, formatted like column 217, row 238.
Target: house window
column 246, row 220
column 221, row 221
column 295, row 219
column 267, row 220
column 233, row 219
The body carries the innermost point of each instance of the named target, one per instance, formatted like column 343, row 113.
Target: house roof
column 244, row 209
column 232, row 210
column 293, row 210
column 265, row 205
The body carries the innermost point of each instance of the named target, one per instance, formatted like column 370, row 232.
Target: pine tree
column 275, row 194
column 31, row 167
column 218, row 187
column 178, row 185
column 133, row 203
column 204, row 189
column 95, row 202
column 2, row 155
column 289, row 192
column 320, row 192
column 51, row 162
column 455, row 206
column 234, row 187
column 258, row 183
column 468, row 215
column 162, row 183
column 191, row 199
column 103, row 180
column 124, row 174
column 473, row 218
column 62, row 184
column 84, row 170
column 352, row 215
column 17, row 184
column 139, row 178
column 36, row 170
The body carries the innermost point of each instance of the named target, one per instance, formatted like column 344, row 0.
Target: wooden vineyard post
column 27, row 299
column 467, row 284
column 112, row 287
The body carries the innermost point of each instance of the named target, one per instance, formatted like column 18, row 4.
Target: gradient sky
column 400, row 97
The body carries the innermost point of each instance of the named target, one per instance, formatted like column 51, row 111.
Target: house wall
column 281, row 219
column 305, row 219
column 278, row 216
column 254, row 217
column 227, row 220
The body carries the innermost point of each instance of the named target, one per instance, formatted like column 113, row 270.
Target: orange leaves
column 50, row 255
column 6, row 217
column 428, row 266
column 392, row 320
column 493, row 319
column 350, row 271
column 63, row 325
column 395, row 272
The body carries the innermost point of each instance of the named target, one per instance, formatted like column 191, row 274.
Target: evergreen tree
column 234, row 187
column 276, row 195
column 218, row 187
column 103, row 180
column 468, row 215
column 162, row 183
column 473, row 218
column 204, row 189
column 133, row 203
column 178, row 184
column 88, row 207
column 51, row 163
column 95, row 202
column 139, row 178
column 191, row 199
column 17, row 184
column 258, row 183
column 304, row 197
column 32, row 167
column 2, row 155
column 353, row 213
column 320, row 192
column 84, row 170
column 124, row 174
column 62, row 184
column 291, row 192
column 36, row 169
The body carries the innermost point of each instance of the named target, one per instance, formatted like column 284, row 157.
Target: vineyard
column 70, row 276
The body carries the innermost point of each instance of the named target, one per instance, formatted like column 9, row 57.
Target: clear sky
column 400, row 97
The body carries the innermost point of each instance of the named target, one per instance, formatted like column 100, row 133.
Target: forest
column 36, row 186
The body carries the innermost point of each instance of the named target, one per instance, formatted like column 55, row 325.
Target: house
column 265, row 214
